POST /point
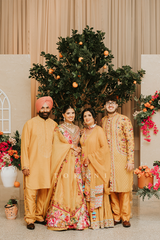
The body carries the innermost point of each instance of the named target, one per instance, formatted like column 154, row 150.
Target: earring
column 64, row 119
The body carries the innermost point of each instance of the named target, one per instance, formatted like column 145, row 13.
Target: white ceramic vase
column 8, row 176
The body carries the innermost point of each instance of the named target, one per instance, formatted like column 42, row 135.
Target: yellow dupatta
column 95, row 148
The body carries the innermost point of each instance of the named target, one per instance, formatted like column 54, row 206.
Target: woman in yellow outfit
column 65, row 207
column 96, row 171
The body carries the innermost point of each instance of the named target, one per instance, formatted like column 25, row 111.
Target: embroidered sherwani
column 119, row 133
column 36, row 148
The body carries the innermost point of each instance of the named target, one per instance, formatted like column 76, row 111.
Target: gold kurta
column 96, row 177
column 119, row 133
column 36, row 148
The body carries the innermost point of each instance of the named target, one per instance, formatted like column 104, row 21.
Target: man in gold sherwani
column 36, row 147
column 119, row 133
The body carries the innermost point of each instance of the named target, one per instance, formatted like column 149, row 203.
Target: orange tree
column 77, row 75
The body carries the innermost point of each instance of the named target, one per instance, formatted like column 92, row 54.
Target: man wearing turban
column 36, row 148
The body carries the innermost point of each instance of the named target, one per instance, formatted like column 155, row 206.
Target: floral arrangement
column 148, row 106
column 10, row 150
column 150, row 190
column 143, row 171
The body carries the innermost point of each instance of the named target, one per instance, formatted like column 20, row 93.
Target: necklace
column 69, row 126
column 92, row 126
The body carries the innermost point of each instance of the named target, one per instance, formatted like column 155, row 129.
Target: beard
column 112, row 112
column 44, row 115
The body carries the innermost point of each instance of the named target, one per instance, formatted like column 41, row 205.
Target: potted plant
column 10, row 160
column 11, row 209
column 149, row 189
column 144, row 175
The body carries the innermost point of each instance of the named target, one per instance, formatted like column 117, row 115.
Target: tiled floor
column 145, row 225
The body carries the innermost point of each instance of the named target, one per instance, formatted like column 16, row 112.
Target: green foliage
column 12, row 202
column 156, row 163
column 144, row 106
column 146, row 192
column 94, row 84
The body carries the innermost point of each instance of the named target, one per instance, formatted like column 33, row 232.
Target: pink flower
column 146, row 139
column 150, row 185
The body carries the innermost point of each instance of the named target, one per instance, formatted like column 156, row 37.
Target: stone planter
column 11, row 211
column 8, row 176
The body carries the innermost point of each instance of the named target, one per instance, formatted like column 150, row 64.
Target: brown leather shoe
column 126, row 224
column 117, row 222
column 38, row 222
column 31, row 226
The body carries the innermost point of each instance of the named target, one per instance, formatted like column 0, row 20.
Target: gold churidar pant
column 34, row 200
column 120, row 204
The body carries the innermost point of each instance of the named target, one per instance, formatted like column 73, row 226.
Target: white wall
column 14, row 82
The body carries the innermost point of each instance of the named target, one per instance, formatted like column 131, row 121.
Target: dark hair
column 91, row 110
column 111, row 98
column 67, row 107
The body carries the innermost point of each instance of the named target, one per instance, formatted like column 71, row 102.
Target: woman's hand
column 86, row 162
column 76, row 149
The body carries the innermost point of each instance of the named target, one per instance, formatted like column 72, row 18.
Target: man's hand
column 26, row 172
column 129, row 166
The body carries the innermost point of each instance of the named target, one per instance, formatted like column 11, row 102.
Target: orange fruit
column 51, row 71
column 60, row 55
column 105, row 66
column 80, row 59
column 106, row 53
column 134, row 82
column 58, row 77
column 16, row 184
column 80, row 43
column 75, row 85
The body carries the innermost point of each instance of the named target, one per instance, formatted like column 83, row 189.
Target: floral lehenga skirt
column 67, row 208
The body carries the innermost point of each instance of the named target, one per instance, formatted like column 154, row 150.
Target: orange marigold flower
column 150, row 101
column 141, row 173
column 15, row 151
column 147, row 175
column 147, row 104
column 144, row 166
column 10, row 152
column 137, row 171
column 16, row 156
column 140, row 167
column 144, row 110
column 147, row 170
column 1, row 133
column 151, row 107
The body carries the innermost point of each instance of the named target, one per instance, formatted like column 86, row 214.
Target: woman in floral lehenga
column 96, row 172
column 65, row 207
